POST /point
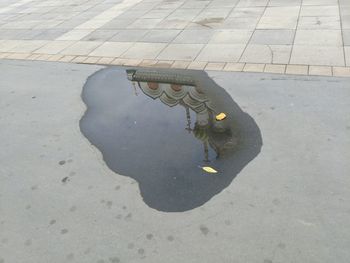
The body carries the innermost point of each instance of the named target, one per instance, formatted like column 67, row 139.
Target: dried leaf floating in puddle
column 221, row 116
column 209, row 169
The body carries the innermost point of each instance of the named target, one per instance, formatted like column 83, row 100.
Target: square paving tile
column 254, row 12
column 237, row 36
column 320, row 70
column 93, row 24
column 234, row 66
column 317, row 55
column 319, row 37
column 319, row 10
column 279, row 54
column 157, row 13
column 160, row 35
column 71, row 23
column 285, row 11
column 180, row 52
column 106, row 60
column 346, row 37
column 215, row 66
column 26, row 34
column 347, row 56
column 10, row 33
column 164, row 64
column 346, row 20
column 170, row 5
column 129, row 35
column 273, row 37
column 132, row 14
column 206, row 23
column 81, row 48
column 252, row 3
column 48, row 24
column 271, row 22
column 144, row 50
column 254, row 67
column 17, row 56
column 221, row 53
column 180, row 64
column 75, row 34
column 144, row 5
column 275, row 68
column 21, row 25
column 320, row 2
column 341, row 71
column 118, row 23
column 37, row 56
column 240, row 23
column 111, row 49
column 297, row 69
column 130, row 62
column 284, row 2
column 92, row 60
column 100, row 35
column 208, row 13
column 194, row 36
column 321, row 22
column 148, row 23
column 54, row 47
column 27, row 46
column 198, row 65
column 195, row 4
column 222, row 3
column 184, row 14
column 79, row 59
column 144, row 62
column 344, row 3
column 172, row 24
column 54, row 58
column 50, row 34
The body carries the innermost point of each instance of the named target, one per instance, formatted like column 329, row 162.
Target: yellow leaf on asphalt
column 209, row 169
column 220, row 116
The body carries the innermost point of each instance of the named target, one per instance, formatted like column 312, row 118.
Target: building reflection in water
column 172, row 90
column 161, row 136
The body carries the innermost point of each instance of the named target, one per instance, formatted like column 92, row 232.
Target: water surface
column 159, row 128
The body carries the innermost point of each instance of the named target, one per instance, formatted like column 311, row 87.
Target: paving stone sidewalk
column 278, row 36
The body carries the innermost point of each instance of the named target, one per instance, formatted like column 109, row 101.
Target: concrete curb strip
column 310, row 70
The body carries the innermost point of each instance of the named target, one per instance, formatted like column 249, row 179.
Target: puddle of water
column 159, row 128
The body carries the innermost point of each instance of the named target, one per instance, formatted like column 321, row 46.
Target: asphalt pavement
column 59, row 202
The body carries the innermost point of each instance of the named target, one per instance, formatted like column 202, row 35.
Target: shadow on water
column 159, row 128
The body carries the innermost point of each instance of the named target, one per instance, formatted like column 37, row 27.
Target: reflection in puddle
column 214, row 135
column 160, row 128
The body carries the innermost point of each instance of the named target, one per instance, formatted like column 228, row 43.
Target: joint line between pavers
column 341, row 32
column 295, row 32
column 251, row 36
